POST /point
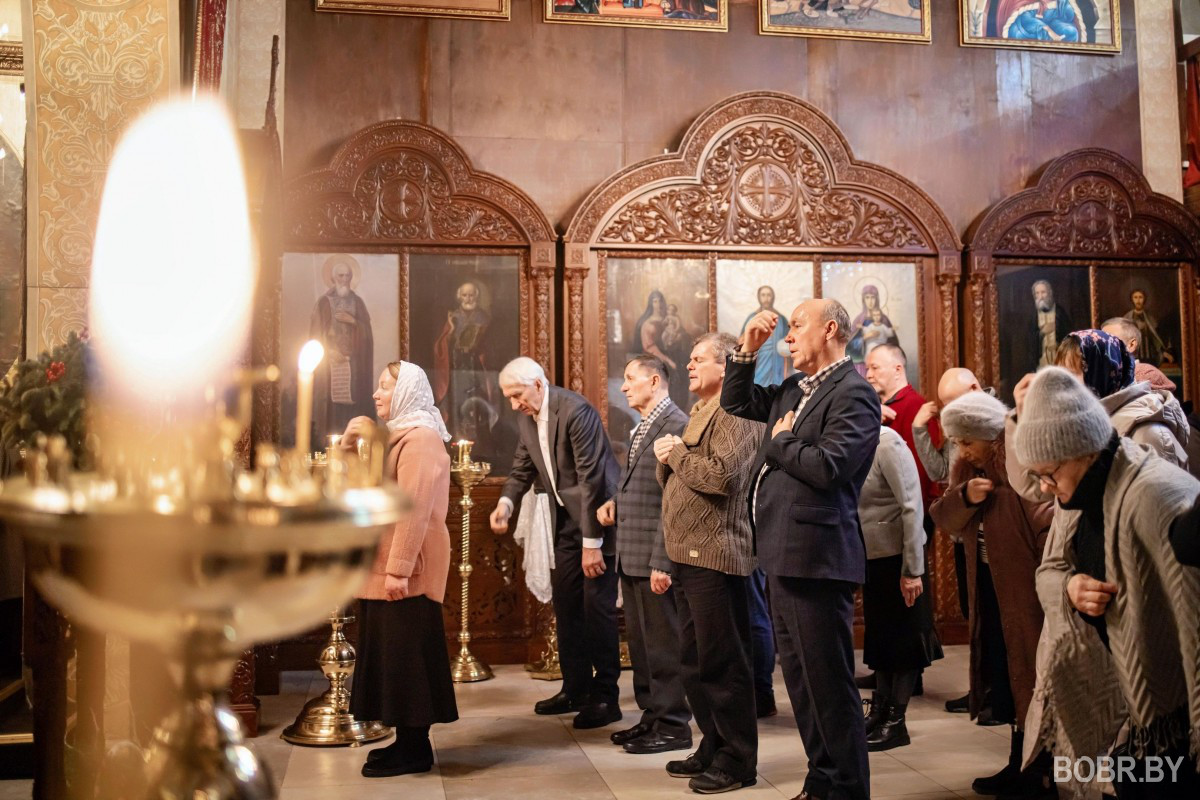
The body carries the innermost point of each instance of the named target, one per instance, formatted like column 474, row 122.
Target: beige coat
column 418, row 548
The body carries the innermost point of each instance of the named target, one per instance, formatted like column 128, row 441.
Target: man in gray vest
column 651, row 620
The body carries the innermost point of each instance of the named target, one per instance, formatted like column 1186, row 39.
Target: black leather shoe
column 1006, row 781
column 987, row 720
column 397, row 763
column 959, row 705
column 655, row 742
column 806, row 796
column 689, row 767
column 878, row 705
column 629, row 734
column 715, row 780
column 597, row 715
column 891, row 731
column 764, row 705
column 559, row 704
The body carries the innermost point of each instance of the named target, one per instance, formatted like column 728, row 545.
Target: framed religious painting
column 882, row 300
column 1150, row 298
column 1037, row 306
column 350, row 303
column 894, row 20
column 462, row 328
column 455, row 9
column 747, row 286
column 1087, row 26
column 657, row 305
column 705, row 15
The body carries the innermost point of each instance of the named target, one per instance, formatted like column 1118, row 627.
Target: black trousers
column 994, row 661
column 652, row 622
column 814, row 628
column 714, row 621
column 960, row 577
column 589, row 648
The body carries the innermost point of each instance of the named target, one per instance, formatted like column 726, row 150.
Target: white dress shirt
column 543, row 431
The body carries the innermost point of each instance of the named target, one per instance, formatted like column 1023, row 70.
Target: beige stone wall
column 90, row 68
column 1158, row 96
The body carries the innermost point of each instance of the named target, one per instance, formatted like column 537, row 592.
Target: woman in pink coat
column 403, row 674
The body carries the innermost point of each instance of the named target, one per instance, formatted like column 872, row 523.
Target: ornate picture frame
column 1072, row 26
column 702, row 15
column 454, row 9
column 877, row 20
column 1092, row 226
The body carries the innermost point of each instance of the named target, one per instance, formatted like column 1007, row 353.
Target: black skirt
column 897, row 638
column 402, row 674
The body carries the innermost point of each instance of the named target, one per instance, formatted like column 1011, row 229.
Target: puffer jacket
column 1150, row 417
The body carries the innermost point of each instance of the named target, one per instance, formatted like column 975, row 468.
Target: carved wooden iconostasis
column 763, row 193
column 400, row 249
column 1091, row 237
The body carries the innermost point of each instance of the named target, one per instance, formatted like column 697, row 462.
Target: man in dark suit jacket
column 823, row 428
column 562, row 442
column 651, row 620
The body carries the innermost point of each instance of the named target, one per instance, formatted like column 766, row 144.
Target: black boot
column 891, row 731
column 878, row 712
column 1036, row 782
column 1008, row 780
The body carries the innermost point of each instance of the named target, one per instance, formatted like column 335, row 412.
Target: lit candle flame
column 173, row 275
column 310, row 356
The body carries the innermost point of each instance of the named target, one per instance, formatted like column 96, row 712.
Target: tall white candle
column 310, row 356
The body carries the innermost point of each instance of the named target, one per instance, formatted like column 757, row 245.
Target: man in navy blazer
column 823, row 428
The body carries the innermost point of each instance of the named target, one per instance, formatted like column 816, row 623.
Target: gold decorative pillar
column 90, row 68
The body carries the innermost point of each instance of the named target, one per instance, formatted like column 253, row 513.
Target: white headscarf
column 412, row 402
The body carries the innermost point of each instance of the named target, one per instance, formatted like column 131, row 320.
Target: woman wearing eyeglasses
column 1003, row 535
column 1118, row 668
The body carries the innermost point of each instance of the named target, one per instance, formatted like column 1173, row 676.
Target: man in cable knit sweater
column 705, row 475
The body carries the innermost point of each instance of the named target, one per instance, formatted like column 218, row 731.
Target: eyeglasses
column 1046, row 477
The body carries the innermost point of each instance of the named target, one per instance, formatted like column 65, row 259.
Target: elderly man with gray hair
column 822, row 431
column 563, row 442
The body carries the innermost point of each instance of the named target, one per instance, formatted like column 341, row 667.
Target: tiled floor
column 500, row 749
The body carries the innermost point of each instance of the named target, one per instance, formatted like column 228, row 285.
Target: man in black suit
column 651, row 620
column 562, row 442
column 823, row 428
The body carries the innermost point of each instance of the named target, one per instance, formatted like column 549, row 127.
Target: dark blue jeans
column 762, row 635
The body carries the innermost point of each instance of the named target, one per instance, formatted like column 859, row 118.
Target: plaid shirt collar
column 658, row 409
column 814, row 381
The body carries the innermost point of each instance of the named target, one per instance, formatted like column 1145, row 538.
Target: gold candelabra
column 465, row 667
column 326, row 721
column 194, row 554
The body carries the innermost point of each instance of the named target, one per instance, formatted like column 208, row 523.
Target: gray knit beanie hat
column 1062, row 419
column 975, row 415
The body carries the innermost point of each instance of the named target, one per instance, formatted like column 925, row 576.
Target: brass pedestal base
column 322, row 725
column 466, row 668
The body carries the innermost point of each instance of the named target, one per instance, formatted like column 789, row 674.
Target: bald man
column 822, row 431
column 887, row 373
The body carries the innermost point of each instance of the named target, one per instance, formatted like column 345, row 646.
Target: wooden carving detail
column 764, row 184
column 401, row 181
column 543, row 285
column 947, row 296
column 1090, row 202
column 1092, row 216
column 575, row 327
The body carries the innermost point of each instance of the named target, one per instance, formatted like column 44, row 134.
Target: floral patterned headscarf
column 1107, row 365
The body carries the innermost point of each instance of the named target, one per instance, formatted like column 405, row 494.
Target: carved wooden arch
column 1089, row 207
column 760, row 172
column 406, row 184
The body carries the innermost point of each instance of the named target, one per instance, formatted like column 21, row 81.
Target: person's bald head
column 885, row 370
column 956, row 382
column 818, row 332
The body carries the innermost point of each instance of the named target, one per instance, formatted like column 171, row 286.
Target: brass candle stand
column 465, row 667
column 188, row 551
column 325, row 721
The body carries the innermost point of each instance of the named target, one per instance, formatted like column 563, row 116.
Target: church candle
column 310, row 356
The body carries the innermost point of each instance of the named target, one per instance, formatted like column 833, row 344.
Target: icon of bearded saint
column 460, row 363
column 345, row 379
